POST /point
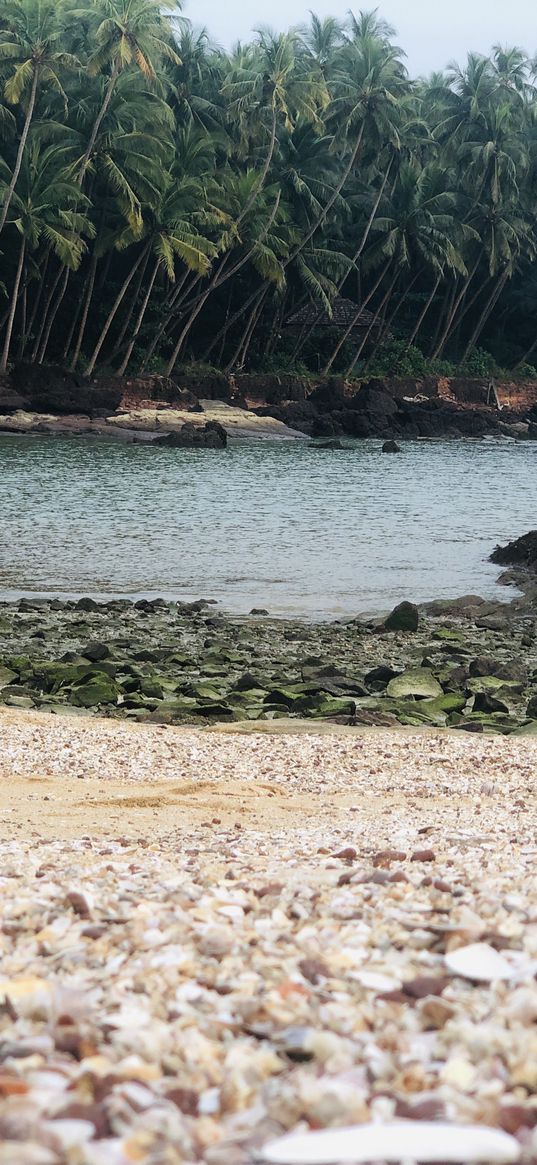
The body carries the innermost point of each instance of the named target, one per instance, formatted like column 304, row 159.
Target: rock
column 98, row 691
column 6, row 677
column 531, row 710
column 379, row 677
column 484, row 702
column 95, row 651
column 53, row 389
column 190, row 436
column 521, row 552
column 404, row 617
column 335, row 444
column 259, row 611
column 416, row 682
column 87, row 604
column 391, row 447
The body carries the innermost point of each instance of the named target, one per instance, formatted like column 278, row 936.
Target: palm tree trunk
column 114, row 310
column 230, row 321
column 141, row 314
column 423, row 313
column 491, row 301
column 44, row 318
column 24, row 308
column 39, row 295
column 71, row 332
column 355, row 319
column 378, row 314
column 246, row 335
column 449, row 299
column 118, row 346
column 218, row 279
column 305, row 335
column 87, row 301
column 21, row 149
column 453, row 312
column 52, row 316
column 98, row 121
column 258, row 186
column 13, row 308
column 167, row 318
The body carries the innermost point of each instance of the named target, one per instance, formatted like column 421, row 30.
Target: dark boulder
column 391, row 447
column 335, row 444
column 190, row 436
column 521, row 552
column 377, row 404
column 329, row 395
column 404, row 617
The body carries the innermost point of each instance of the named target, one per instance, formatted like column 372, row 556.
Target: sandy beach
column 241, row 933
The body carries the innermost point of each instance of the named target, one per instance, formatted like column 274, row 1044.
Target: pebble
column 152, row 1010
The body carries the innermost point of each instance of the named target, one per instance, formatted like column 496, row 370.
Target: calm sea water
column 299, row 530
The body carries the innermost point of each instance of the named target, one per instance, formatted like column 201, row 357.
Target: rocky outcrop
column 521, row 552
column 209, row 436
column 52, row 389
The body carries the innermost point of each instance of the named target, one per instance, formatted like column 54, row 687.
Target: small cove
column 301, row 531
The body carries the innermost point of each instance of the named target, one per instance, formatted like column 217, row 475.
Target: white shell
column 480, row 962
column 402, row 1141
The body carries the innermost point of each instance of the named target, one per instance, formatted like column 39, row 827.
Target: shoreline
column 467, row 664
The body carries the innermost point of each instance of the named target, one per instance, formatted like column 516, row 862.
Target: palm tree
column 46, row 206
column 128, row 33
column 30, row 44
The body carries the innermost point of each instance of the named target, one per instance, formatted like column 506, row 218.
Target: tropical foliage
column 164, row 202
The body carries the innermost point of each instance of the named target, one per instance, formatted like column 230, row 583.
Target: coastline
column 465, row 664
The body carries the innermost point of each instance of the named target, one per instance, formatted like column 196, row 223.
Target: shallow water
column 299, row 530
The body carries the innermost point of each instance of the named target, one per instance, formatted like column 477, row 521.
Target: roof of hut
column 343, row 313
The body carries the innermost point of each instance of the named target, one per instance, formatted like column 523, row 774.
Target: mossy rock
column 495, row 685
column 404, row 617
column 529, row 729
column 334, row 706
column 438, row 710
column 287, row 697
column 417, row 682
column 449, row 635
column 217, row 711
column 6, row 677
column 152, row 688
column 23, row 702
column 98, row 691
column 21, row 664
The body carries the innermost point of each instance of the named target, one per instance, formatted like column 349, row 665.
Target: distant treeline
column 164, row 202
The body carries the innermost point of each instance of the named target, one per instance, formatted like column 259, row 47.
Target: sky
column 432, row 32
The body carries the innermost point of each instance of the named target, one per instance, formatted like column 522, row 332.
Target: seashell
column 401, row 1141
column 376, row 980
column 69, row 1132
column 479, row 962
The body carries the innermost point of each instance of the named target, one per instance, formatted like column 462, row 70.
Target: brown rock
column 423, row 855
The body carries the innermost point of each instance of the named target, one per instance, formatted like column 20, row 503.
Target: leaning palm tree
column 31, row 45
column 128, row 33
column 46, row 207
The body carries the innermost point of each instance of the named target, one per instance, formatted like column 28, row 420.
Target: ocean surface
column 295, row 529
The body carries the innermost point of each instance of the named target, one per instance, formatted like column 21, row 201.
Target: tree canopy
column 164, row 202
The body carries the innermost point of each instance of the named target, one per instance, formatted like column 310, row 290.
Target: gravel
column 209, row 939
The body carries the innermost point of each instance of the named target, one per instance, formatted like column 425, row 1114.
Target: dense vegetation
column 163, row 201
